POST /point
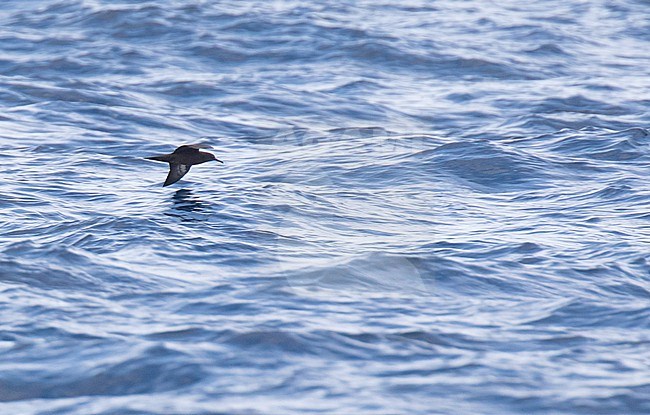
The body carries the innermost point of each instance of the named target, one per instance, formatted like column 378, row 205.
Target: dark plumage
column 182, row 159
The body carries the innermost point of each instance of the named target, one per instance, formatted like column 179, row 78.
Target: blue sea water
column 426, row 207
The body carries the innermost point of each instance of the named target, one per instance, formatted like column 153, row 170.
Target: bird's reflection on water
column 186, row 200
column 187, row 206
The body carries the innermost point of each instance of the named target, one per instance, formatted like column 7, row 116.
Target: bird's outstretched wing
column 176, row 171
column 190, row 148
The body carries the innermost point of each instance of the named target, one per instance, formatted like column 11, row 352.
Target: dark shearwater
column 182, row 159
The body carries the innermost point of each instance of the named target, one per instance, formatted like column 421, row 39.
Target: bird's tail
column 165, row 157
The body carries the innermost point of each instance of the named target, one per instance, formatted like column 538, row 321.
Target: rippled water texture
column 426, row 207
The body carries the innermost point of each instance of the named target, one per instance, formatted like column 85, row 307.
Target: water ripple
column 422, row 206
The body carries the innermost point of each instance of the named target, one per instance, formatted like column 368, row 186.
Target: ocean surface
column 426, row 207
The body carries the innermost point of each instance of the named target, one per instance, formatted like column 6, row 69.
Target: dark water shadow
column 187, row 206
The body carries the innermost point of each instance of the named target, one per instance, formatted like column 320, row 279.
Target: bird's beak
column 218, row 161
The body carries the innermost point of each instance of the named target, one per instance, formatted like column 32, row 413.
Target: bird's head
column 213, row 158
column 205, row 157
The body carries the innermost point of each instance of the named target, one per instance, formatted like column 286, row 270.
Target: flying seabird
column 182, row 159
